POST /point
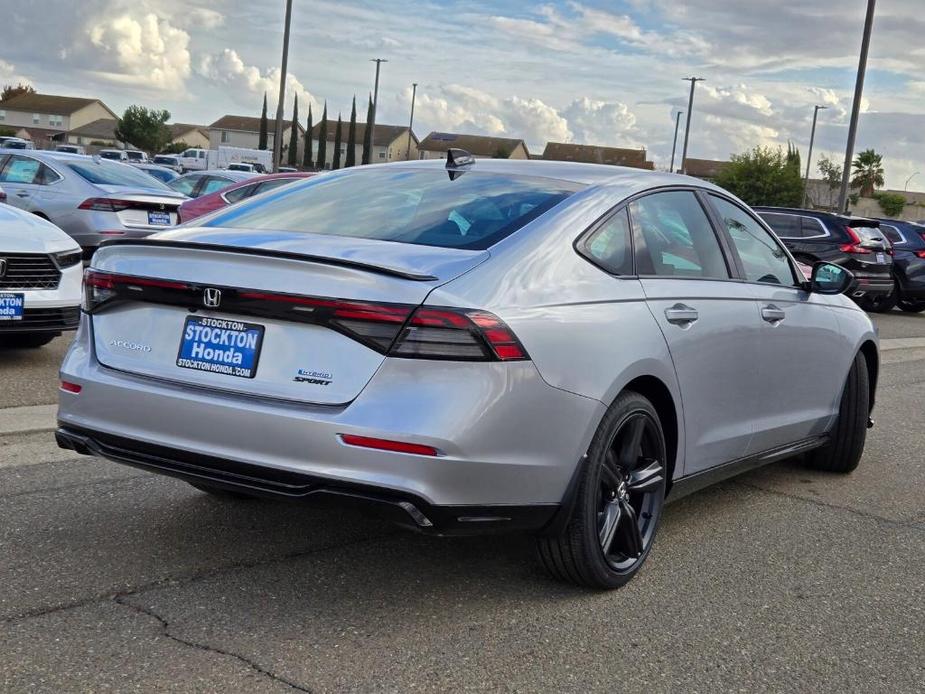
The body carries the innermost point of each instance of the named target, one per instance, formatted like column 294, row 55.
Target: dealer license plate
column 220, row 345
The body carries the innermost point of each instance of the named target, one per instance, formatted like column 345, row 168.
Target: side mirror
column 828, row 278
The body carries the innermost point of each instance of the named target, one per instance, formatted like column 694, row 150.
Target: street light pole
column 906, row 187
column 278, row 130
column 414, row 91
column 674, row 141
column 809, row 156
column 856, row 106
column 372, row 133
column 687, row 128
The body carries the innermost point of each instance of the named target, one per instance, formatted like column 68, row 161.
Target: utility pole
column 278, row 130
column 674, row 142
column 372, row 125
column 809, row 156
column 414, row 91
column 906, row 187
column 856, row 106
column 687, row 129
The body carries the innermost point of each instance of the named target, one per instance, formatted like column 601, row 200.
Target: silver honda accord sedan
column 473, row 346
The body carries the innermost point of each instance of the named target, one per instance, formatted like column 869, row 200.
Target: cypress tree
column 263, row 125
column 294, row 135
column 323, row 139
column 338, row 138
column 352, row 136
column 368, row 135
column 307, row 162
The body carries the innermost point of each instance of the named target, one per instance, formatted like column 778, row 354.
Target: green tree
column 294, row 134
column 262, row 142
column 831, row 177
column 307, row 162
column 7, row 131
column 763, row 176
column 868, row 172
column 368, row 135
column 338, row 139
column 351, row 159
column 793, row 156
column 143, row 127
column 11, row 90
column 323, row 139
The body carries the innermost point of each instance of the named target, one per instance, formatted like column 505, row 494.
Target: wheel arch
column 657, row 392
column 872, row 357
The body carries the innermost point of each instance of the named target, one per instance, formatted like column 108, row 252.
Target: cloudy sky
column 591, row 72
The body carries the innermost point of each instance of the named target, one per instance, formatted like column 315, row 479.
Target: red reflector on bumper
column 387, row 445
column 69, row 387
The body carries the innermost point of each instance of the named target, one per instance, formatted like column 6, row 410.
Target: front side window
column 418, row 206
column 763, row 258
column 677, row 238
column 609, row 245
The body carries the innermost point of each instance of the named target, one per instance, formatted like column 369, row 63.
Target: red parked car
column 236, row 192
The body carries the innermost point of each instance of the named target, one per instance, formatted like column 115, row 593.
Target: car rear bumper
column 408, row 510
column 872, row 285
column 505, row 437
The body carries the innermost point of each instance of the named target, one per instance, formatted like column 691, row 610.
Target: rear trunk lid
column 146, row 209
column 290, row 320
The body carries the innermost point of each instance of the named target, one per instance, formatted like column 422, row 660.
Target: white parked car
column 136, row 156
column 113, row 154
column 71, row 149
column 40, row 272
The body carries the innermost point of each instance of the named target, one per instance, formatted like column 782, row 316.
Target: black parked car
column 908, row 240
column 855, row 243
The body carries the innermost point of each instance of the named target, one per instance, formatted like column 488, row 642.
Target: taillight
column 104, row 204
column 102, row 286
column 2, row 196
column 457, row 334
column 920, row 254
column 855, row 245
column 69, row 387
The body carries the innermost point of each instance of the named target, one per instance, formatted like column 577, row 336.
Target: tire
column 620, row 496
column 28, row 341
column 883, row 304
column 911, row 306
column 223, row 494
column 844, row 451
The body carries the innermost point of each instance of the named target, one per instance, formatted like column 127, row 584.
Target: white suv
column 40, row 273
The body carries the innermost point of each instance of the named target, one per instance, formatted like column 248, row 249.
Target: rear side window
column 786, row 226
column 609, row 245
column 677, row 237
column 813, row 227
column 214, row 183
column 240, row 193
column 892, row 233
column 417, row 206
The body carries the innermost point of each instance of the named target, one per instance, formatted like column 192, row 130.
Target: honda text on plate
column 474, row 346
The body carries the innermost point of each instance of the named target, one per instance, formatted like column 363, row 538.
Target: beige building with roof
column 390, row 143
column 594, row 154
column 193, row 135
column 244, row 131
column 46, row 118
column 435, row 145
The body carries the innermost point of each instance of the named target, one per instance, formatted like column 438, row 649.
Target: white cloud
column 9, row 75
column 248, row 83
column 146, row 48
column 600, row 122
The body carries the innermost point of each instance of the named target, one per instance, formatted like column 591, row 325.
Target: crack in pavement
column 171, row 581
column 826, row 504
column 165, row 630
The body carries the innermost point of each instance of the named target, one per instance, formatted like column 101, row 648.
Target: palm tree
column 868, row 172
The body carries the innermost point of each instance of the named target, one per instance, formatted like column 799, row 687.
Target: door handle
column 679, row 314
column 772, row 314
column 22, row 194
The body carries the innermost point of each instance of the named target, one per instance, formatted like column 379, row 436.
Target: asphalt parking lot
column 112, row 579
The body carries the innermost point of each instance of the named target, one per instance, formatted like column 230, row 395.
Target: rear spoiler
column 268, row 253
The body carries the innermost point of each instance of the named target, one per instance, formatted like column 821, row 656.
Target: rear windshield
column 105, row 174
column 418, row 206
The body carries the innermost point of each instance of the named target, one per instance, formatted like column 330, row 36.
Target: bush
column 763, row 176
column 7, row 131
column 892, row 204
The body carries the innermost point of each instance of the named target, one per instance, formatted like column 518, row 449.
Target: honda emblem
column 211, row 297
